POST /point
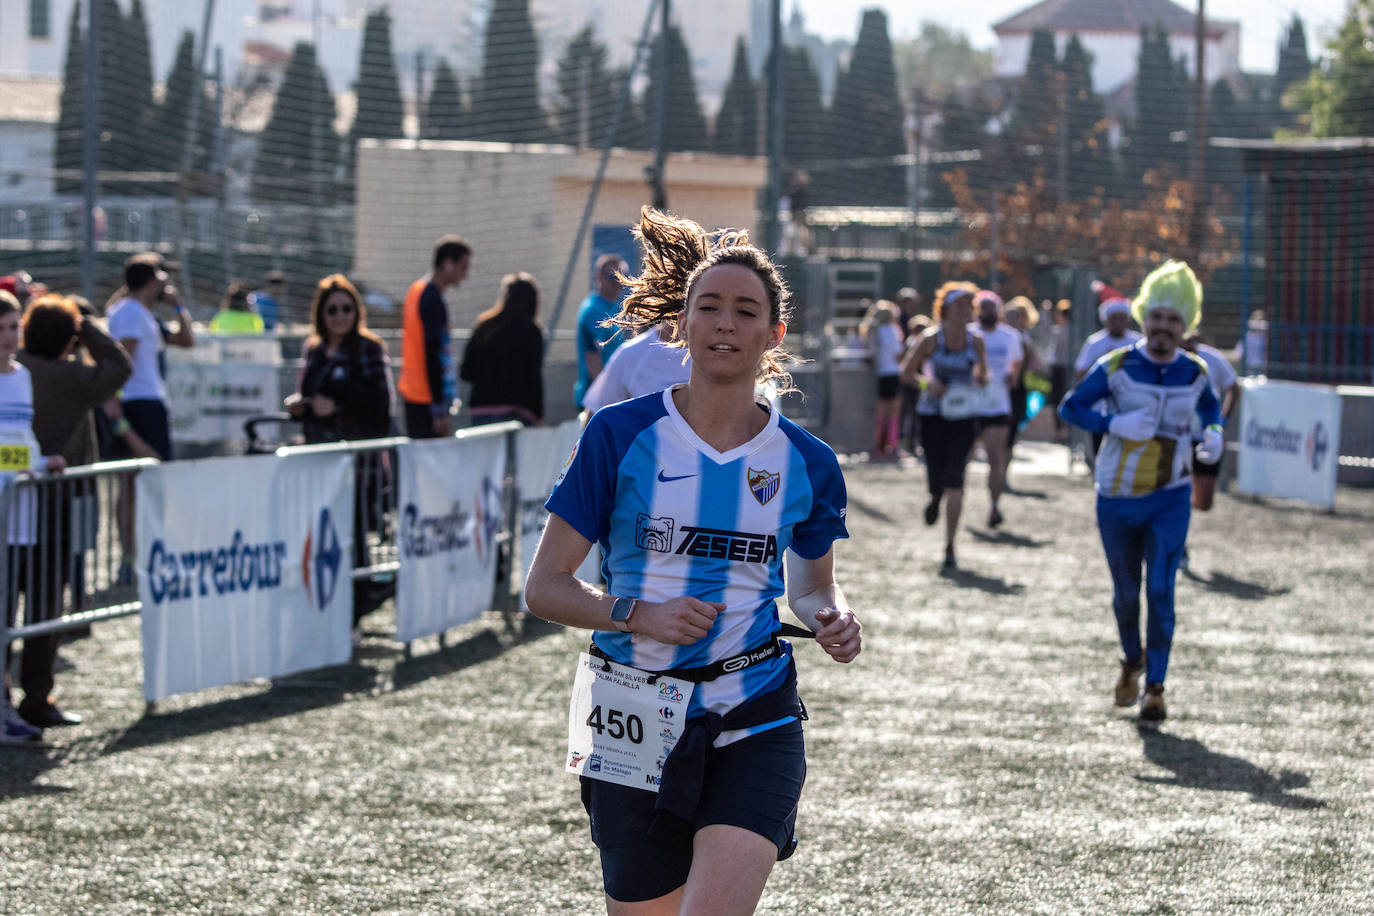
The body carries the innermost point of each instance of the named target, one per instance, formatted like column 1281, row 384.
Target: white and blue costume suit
column 1144, row 487
column 675, row 517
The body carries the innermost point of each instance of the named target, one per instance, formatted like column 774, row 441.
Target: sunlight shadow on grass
column 21, row 765
column 1007, row 538
column 1195, row 766
column 1236, row 588
column 873, row 512
column 967, row 578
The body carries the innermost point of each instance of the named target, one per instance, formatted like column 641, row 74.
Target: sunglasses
column 338, row 310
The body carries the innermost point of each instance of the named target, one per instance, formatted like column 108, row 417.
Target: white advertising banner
column 1289, row 441
column 449, row 513
column 540, row 455
column 244, row 569
column 214, row 387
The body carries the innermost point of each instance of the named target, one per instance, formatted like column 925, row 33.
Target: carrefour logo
column 241, row 566
column 321, row 560
column 1318, row 444
column 455, row 529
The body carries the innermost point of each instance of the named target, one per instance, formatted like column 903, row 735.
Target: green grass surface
column 969, row 761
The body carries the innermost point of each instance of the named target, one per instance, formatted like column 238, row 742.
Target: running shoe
column 932, row 511
column 1152, row 707
column 15, row 730
column 1128, row 685
column 949, row 563
column 994, row 518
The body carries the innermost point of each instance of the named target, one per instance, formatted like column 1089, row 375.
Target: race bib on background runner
column 621, row 727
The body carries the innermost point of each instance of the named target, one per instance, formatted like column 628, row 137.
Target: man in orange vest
column 426, row 383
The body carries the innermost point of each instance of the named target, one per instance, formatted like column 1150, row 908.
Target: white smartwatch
column 620, row 613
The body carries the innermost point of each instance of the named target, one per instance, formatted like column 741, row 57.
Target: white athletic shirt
column 16, row 428
column 1099, row 345
column 888, row 349
column 675, row 517
column 131, row 318
column 1001, row 347
column 638, row 367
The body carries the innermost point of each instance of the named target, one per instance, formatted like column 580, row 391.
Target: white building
column 1110, row 33
column 28, row 118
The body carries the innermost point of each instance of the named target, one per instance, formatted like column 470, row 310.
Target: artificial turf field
column 969, row 761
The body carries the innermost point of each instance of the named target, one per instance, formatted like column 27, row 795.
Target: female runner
column 695, row 493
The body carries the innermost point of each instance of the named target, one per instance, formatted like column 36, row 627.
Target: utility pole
column 775, row 88
column 90, row 146
column 1062, row 147
column 1197, row 171
column 665, row 53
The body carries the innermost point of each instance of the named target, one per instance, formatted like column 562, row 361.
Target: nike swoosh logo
column 665, row 479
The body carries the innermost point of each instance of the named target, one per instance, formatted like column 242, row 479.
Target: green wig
column 1174, row 286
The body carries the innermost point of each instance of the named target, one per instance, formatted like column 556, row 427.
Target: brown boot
column 1128, row 685
column 1152, row 707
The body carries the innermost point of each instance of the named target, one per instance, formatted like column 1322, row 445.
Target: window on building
column 39, row 16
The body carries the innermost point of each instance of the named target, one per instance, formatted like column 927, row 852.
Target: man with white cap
column 1152, row 390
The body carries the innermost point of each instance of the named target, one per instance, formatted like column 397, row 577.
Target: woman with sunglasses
column 696, row 494
column 344, row 391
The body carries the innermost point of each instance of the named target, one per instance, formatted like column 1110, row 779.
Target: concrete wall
column 519, row 207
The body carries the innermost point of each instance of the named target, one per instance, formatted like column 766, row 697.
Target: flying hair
column 677, row 252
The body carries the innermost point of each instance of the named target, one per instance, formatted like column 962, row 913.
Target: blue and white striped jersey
column 676, row 517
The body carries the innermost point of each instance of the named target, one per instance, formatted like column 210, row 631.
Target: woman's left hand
column 840, row 634
column 56, row 464
column 323, row 406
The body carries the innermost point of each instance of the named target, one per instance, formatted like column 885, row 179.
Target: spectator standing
column 344, row 391
column 134, row 324
column 22, row 454
column 1253, row 349
column 1057, row 355
column 1022, row 317
column 597, row 339
column 236, row 315
column 75, row 367
column 267, row 301
column 504, row 359
column 427, row 385
column 1004, row 354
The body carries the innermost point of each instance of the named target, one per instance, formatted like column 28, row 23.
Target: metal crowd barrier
column 71, row 559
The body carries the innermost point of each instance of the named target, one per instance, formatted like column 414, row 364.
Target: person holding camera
column 134, row 323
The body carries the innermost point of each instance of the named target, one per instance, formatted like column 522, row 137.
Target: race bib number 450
column 623, row 722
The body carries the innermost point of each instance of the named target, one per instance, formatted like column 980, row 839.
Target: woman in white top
column 882, row 331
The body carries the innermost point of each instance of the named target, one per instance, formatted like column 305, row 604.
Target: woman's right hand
column 678, row 621
column 294, row 405
column 936, row 388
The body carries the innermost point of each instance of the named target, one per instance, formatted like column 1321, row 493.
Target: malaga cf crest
column 763, row 485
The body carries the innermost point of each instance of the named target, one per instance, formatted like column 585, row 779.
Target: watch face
column 622, row 608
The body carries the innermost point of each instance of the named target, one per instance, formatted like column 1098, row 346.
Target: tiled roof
column 1099, row 16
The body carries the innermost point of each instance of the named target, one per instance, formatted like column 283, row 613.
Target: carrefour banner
column 244, row 569
column 540, row 454
column 449, row 514
column 1289, row 441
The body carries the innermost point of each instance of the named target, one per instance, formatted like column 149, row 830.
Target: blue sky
column 1262, row 21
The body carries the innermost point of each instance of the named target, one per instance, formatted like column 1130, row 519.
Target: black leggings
column 947, row 444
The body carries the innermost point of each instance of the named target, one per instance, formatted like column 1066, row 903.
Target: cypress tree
column 1294, row 67
column 116, row 117
column 1083, row 118
column 1032, row 133
column 67, row 143
column 803, row 110
column 172, row 117
column 444, row 115
column 380, row 111
column 583, row 94
column 686, row 127
column 737, row 124
column 506, row 100
column 866, row 119
column 298, row 149
column 1162, row 108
